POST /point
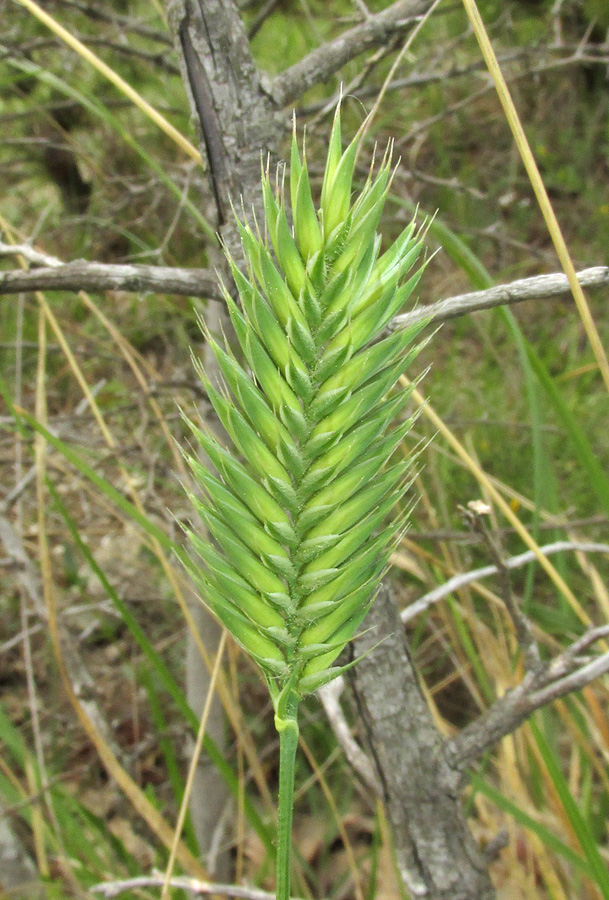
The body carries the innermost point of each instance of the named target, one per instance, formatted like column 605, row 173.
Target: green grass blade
column 598, row 866
column 171, row 762
column 481, row 279
column 545, row 834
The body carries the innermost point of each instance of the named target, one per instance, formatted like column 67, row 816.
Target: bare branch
column 475, row 514
column 515, row 562
column 93, row 276
column 575, row 681
column 30, row 253
column 565, row 674
column 322, row 62
column 541, row 287
column 193, row 885
column 565, row 662
column 330, row 698
column 53, row 274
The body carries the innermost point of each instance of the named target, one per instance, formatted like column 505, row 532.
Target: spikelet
column 301, row 510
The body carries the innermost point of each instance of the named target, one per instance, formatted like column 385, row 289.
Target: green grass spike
column 305, row 504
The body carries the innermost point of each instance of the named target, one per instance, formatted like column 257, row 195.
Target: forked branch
column 324, row 61
column 414, row 770
column 566, row 673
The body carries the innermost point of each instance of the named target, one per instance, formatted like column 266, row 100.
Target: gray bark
column 436, row 854
column 91, row 276
column 235, row 121
column 539, row 287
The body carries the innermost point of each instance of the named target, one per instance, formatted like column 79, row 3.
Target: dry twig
column 51, row 274
column 193, row 885
column 540, row 287
column 515, row 562
column 324, row 61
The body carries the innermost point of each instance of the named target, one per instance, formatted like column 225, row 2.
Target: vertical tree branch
column 436, row 854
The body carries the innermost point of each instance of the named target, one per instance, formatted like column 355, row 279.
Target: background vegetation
column 93, row 619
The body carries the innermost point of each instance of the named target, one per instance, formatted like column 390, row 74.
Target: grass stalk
column 539, row 188
column 287, row 728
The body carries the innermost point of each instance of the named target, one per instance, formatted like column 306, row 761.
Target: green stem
column 287, row 727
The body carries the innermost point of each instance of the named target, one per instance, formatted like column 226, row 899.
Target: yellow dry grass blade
column 485, row 482
column 124, row 87
column 194, row 762
column 538, row 186
column 38, row 829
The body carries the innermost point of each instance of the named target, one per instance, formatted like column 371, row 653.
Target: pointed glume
column 297, row 504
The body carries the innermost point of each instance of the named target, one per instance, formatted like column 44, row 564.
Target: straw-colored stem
column 287, row 727
column 538, row 186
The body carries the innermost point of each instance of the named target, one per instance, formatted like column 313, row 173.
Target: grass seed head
column 299, row 510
